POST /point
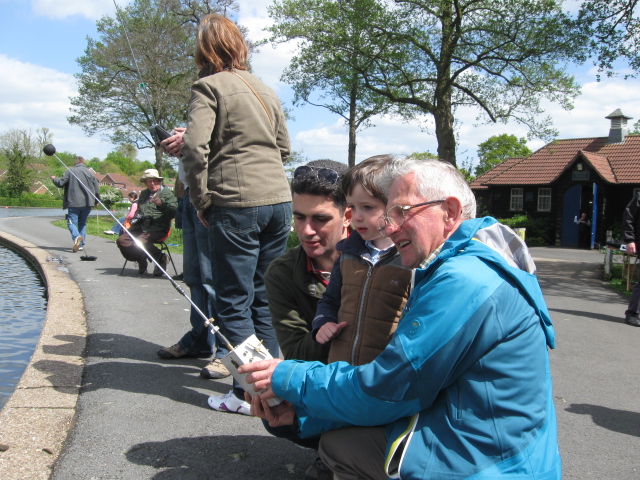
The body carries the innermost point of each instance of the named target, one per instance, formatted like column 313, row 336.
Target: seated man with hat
column 156, row 208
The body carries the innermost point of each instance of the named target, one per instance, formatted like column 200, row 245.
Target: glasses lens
column 302, row 171
column 328, row 175
column 382, row 223
column 395, row 216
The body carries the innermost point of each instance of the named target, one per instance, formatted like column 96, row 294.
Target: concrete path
column 139, row 417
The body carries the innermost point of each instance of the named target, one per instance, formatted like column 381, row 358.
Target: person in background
column 584, row 231
column 234, row 148
column 463, row 389
column 630, row 236
column 77, row 200
column 198, row 341
column 369, row 286
column 117, row 227
column 156, row 208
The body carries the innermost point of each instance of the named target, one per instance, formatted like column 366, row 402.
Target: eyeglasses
column 327, row 175
column 395, row 215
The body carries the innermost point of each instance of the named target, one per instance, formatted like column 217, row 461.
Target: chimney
column 618, row 130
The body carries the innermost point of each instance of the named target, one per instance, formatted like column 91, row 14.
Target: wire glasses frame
column 327, row 175
column 395, row 215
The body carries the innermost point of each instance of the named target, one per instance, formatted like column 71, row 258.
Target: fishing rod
column 158, row 132
column 50, row 150
column 251, row 350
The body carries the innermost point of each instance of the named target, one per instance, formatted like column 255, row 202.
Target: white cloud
column 32, row 97
column 58, row 9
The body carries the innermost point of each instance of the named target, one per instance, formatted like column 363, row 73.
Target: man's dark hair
column 312, row 185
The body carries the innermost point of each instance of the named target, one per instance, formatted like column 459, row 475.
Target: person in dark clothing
column 630, row 234
column 584, row 231
column 79, row 184
column 157, row 207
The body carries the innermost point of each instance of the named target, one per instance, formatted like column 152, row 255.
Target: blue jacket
column 464, row 386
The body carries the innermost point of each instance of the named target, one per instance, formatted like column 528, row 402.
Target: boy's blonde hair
column 367, row 174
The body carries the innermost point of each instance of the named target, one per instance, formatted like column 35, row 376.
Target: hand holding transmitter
column 249, row 351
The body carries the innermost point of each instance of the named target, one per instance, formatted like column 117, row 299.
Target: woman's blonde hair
column 220, row 44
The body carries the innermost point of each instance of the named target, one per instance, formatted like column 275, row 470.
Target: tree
column 498, row 148
column 324, row 72
column 112, row 98
column 18, row 177
column 110, row 195
column 500, row 56
column 609, row 30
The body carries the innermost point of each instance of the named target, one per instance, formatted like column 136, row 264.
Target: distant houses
column 115, row 180
column 597, row 176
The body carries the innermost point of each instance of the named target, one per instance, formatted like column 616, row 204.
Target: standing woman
column 234, row 148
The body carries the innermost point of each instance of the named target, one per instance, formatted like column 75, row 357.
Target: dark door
column 571, row 204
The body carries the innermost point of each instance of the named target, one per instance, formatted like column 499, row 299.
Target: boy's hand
column 329, row 331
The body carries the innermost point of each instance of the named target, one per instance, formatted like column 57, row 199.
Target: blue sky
column 40, row 41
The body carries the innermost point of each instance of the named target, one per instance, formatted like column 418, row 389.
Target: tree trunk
column 443, row 114
column 158, row 151
column 352, row 127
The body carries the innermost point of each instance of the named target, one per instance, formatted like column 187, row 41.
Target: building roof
column 616, row 163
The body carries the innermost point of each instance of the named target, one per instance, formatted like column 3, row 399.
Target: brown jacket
column 232, row 155
column 370, row 298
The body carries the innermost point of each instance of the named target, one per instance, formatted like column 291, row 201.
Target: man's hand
column 173, row 144
column 329, row 331
column 631, row 248
column 282, row 414
column 53, row 177
column 156, row 200
column 260, row 374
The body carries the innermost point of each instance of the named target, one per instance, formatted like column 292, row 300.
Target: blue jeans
column 196, row 265
column 243, row 242
column 77, row 222
column 117, row 229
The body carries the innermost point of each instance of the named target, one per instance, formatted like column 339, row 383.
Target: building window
column 544, row 199
column 516, row 199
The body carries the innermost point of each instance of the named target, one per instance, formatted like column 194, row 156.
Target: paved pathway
column 139, row 417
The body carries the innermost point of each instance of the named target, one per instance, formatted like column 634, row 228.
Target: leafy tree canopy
column 497, row 149
column 112, row 98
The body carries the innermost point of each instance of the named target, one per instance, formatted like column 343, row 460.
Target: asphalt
column 97, row 403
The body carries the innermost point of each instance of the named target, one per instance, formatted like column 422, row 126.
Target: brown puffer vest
column 372, row 299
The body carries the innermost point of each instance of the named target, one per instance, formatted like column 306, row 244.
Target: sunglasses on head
column 327, row 175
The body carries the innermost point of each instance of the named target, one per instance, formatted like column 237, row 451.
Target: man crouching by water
column 464, row 387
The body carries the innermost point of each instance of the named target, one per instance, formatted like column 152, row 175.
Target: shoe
column 142, row 266
column 178, row 277
column 109, row 232
column 632, row 319
column 215, row 370
column 172, row 352
column 76, row 243
column 162, row 260
column 229, row 403
column 318, row 471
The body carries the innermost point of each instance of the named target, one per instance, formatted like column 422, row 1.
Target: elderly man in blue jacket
column 464, row 387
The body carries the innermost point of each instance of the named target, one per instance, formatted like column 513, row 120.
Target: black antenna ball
column 49, row 149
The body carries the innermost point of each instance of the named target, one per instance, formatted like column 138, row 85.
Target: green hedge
column 539, row 232
column 27, row 201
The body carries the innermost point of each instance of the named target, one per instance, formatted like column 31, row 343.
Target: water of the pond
column 23, row 306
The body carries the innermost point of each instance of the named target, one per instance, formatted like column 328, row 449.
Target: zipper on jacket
column 361, row 311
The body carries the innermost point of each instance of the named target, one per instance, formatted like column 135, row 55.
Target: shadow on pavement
column 141, row 371
column 621, row 421
column 595, row 316
column 246, row 457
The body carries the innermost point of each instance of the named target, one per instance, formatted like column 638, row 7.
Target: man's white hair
column 434, row 179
